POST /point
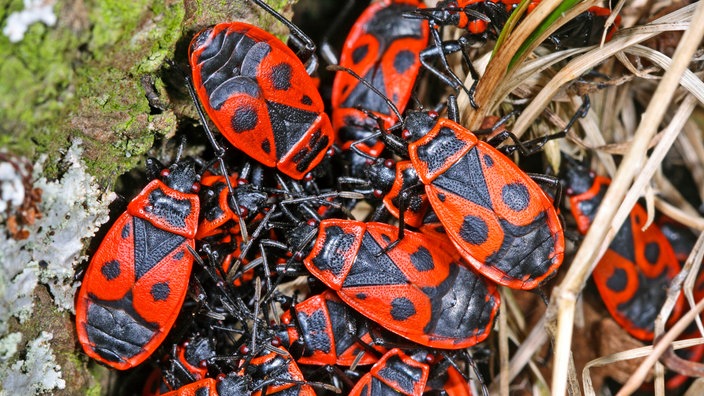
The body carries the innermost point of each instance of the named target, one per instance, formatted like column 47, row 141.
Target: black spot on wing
column 618, row 280
column 281, row 76
column 404, row 60
column 474, row 230
column 402, row 308
column 160, row 291
column 652, row 252
column 306, row 100
column 422, row 260
column 244, row 119
column 515, row 196
column 111, row 270
column 359, row 53
column 151, row 245
column 266, row 146
column 488, row 161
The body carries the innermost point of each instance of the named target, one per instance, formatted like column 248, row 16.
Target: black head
column 381, row 174
column 578, row 178
column 181, row 176
column 445, row 13
column 301, row 237
column 417, row 124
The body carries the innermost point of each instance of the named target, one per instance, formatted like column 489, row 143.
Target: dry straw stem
column 601, row 231
column 691, row 267
column 627, row 355
column 496, row 86
column 665, row 342
column 503, row 351
column 498, row 66
column 677, row 20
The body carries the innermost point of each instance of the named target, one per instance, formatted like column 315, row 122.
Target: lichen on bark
column 87, row 77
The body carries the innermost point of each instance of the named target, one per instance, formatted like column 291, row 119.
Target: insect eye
column 165, row 173
column 389, row 163
column 195, row 187
column 433, row 114
column 406, row 134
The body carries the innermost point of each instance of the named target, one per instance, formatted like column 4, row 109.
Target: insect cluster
column 249, row 272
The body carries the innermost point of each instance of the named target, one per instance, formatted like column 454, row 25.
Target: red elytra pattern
column 316, row 305
column 452, row 209
column 163, row 312
column 253, row 140
column 398, row 84
column 378, row 300
column 615, row 265
column 136, row 281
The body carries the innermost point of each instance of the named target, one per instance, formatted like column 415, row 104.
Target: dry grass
column 614, row 128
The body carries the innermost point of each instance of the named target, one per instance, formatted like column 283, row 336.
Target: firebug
column 633, row 274
column 137, row 279
column 418, row 290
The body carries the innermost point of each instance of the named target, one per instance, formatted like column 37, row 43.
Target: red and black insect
column 395, row 373
column 499, row 219
column 328, row 332
column 269, row 374
column 260, row 95
column 137, row 279
column 187, row 364
column 633, row 275
column 418, row 290
column 384, row 48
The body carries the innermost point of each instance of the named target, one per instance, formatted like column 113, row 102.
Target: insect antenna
column 369, row 85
